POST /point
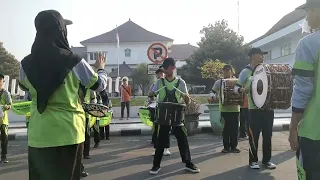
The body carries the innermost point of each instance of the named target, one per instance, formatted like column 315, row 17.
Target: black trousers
column 243, row 122
column 155, row 136
column 260, row 121
column 4, row 139
column 123, row 105
column 86, row 150
column 230, row 130
column 308, row 157
column 63, row 163
column 96, row 135
column 105, row 132
column 180, row 133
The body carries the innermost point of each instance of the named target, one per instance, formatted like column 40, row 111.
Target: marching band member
column 89, row 97
column 304, row 134
column 5, row 102
column 159, row 75
column 104, row 99
column 27, row 97
column 230, row 114
column 259, row 119
column 53, row 75
column 170, row 82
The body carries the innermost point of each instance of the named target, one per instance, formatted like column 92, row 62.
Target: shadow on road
column 248, row 174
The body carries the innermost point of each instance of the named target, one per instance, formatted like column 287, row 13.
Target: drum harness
column 170, row 97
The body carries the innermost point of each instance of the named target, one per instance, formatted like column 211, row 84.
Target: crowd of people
column 68, row 80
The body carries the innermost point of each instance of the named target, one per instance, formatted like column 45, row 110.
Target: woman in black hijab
column 53, row 75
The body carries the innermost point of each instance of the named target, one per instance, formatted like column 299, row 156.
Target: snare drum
column 170, row 114
column 227, row 95
column 271, row 86
column 96, row 110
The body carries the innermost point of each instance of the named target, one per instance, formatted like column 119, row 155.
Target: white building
column 134, row 43
column 282, row 39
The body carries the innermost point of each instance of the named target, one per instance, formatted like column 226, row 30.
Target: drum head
column 223, row 86
column 96, row 110
column 259, row 86
column 152, row 105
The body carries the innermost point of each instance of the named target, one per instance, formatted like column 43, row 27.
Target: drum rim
column 179, row 104
column 221, row 93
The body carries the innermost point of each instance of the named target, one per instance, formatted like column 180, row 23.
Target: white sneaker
column 270, row 165
column 166, row 152
column 154, row 152
column 254, row 165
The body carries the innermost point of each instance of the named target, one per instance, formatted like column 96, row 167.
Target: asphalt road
column 129, row 158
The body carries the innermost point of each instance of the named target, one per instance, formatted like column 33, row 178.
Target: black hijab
column 51, row 58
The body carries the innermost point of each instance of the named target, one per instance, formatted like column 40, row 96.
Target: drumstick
column 160, row 89
column 184, row 94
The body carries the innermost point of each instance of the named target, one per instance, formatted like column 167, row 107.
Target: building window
column 93, row 55
column 285, row 49
column 127, row 52
column 268, row 56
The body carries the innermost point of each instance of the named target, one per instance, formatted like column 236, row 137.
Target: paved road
column 128, row 158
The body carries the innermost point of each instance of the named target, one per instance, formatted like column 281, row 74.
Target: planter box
column 191, row 123
column 215, row 118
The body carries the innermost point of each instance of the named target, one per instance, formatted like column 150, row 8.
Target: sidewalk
column 134, row 127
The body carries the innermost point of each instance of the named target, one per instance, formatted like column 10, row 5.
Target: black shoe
column 192, row 168
column 84, row 174
column 86, row 157
column 235, row 150
column 96, row 145
column 107, row 138
column 4, row 159
column 155, row 170
column 225, row 151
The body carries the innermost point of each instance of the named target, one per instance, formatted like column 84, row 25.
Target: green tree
column 139, row 76
column 212, row 69
column 218, row 42
column 8, row 64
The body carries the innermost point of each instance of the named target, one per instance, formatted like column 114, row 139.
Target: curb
column 147, row 132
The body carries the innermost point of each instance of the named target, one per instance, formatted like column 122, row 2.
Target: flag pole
column 118, row 46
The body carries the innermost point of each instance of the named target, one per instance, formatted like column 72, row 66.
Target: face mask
column 305, row 27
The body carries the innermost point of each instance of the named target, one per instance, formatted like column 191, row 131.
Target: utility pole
column 238, row 17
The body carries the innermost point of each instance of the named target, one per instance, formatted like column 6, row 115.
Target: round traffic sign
column 157, row 53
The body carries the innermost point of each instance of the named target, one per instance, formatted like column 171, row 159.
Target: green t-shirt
column 5, row 99
column 306, row 90
column 224, row 108
column 63, row 121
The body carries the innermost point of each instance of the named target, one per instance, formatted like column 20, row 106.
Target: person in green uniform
column 5, row 102
column 166, row 152
column 89, row 97
column 304, row 136
column 230, row 114
column 53, row 75
column 27, row 97
column 165, row 87
column 258, row 119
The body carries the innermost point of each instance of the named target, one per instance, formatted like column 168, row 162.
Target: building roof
column 80, row 51
column 285, row 21
column 125, row 70
column 182, row 51
column 128, row 32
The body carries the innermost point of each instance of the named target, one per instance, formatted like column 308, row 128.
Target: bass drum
column 271, row 86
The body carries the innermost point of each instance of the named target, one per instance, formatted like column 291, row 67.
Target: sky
column 180, row 20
